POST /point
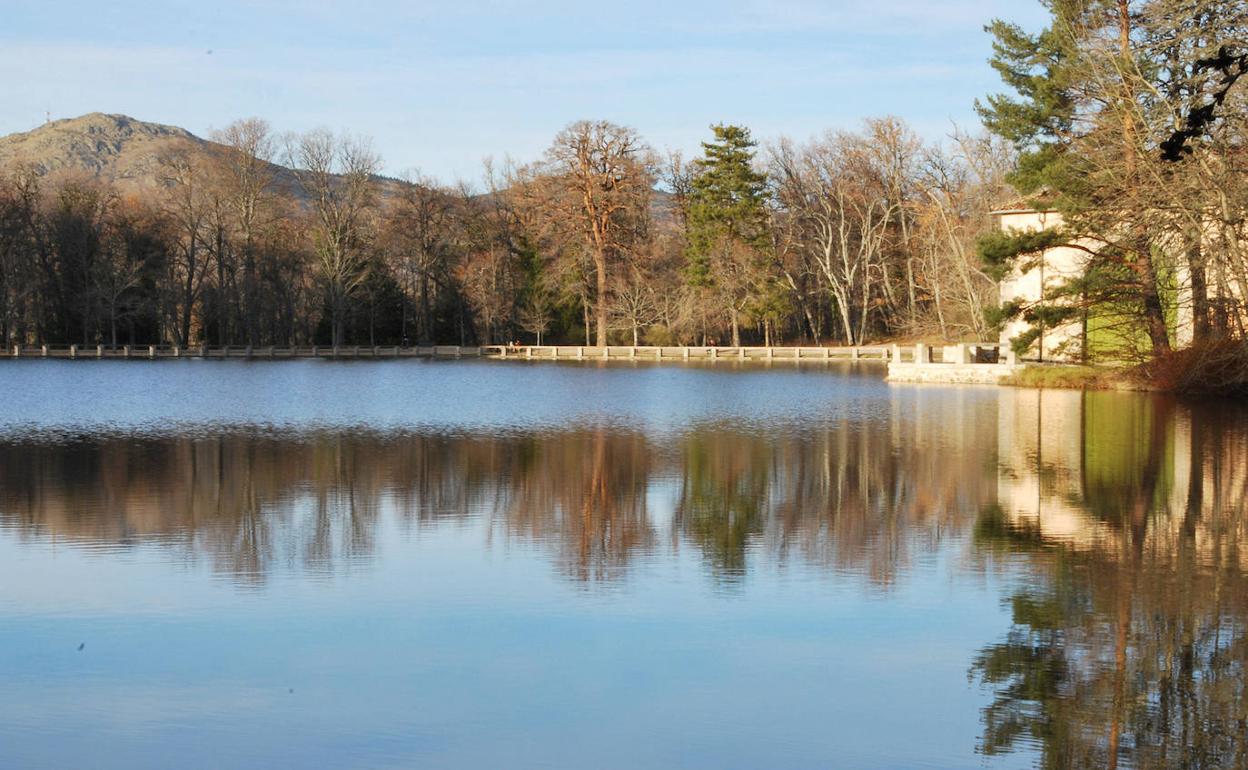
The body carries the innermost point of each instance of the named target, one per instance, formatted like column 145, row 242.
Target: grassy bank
column 1218, row 369
column 1071, row 376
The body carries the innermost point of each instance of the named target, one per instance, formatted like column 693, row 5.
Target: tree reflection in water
column 858, row 496
column 1118, row 520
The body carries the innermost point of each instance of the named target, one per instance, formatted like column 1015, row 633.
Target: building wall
column 1056, row 266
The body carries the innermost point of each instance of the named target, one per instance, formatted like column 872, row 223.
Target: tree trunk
column 223, row 308
column 600, row 263
column 336, row 308
column 1154, row 313
column 585, row 315
column 1200, row 290
column 847, row 322
column 426, row 317
column 403, row 314
column 188, row 299
column 249, row 291
column 372, row 323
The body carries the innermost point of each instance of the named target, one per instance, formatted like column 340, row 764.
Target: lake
column 484, row 564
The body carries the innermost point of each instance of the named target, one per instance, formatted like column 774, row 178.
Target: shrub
column 1212, row 368
column 660, row 335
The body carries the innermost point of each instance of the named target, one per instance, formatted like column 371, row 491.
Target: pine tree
column 728, row 221
column 1041, row 69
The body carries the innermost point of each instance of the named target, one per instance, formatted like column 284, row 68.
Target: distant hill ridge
column 123, row 151
column 126, row 152
column 115, row 148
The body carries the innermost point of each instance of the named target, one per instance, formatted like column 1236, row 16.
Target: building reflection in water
column 1130, row 623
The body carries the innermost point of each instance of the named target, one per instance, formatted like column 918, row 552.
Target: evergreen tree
column 1041, row 70
column 728, row 221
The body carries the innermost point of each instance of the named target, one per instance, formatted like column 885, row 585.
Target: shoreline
column 956, row 364
column 669, row 353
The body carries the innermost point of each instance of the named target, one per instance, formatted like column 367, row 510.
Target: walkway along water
column 984, row 363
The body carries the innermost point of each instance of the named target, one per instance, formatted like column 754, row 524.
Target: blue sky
column 441, row 85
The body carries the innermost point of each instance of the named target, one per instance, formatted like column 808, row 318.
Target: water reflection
column 1130, row 630
column 852, row 495
column 1116, row 523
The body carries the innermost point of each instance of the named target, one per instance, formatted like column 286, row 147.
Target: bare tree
column 188, row 205
column 633, row 305
column 337, row 174
column 535, row 313
column 118, row 273
column 247, row 177
column 843, row 223
column 605, row 178
column 420, row 225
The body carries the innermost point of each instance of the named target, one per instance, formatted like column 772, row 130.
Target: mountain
column 115, row 148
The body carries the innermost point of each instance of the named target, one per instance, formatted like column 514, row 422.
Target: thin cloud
column 439, row 86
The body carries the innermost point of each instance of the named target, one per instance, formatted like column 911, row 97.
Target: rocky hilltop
column 115, row 148
column 125, row 152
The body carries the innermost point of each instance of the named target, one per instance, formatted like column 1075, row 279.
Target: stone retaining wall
column 951, row 374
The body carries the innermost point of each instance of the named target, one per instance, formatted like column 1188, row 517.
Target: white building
column 1033, row 279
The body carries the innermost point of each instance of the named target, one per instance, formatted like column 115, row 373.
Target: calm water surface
column 484, row 565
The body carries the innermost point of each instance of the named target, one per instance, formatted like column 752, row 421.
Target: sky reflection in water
column 485, row 564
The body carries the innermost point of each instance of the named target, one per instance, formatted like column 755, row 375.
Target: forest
column 850, row 236
column 1126, row 117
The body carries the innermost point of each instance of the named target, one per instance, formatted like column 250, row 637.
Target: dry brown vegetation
column 1214, row 368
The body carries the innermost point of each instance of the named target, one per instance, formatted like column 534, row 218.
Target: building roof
column 1039, row 202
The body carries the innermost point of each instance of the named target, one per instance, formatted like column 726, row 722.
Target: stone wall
column 951, row 374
